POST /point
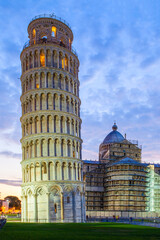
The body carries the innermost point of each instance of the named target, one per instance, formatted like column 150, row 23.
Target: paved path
column 148, row 224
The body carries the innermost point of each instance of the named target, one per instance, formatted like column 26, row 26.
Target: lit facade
column 119, row 184
column 52, row 188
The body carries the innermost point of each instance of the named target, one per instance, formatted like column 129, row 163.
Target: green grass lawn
column 72, row 231
column 13, row 219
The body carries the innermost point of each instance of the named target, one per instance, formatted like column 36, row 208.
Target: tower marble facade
column 53, row 187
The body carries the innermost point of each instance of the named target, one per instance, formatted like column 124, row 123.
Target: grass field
column 72, row 231
column 13, row 219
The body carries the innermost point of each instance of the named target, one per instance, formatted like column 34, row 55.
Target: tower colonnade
column 52, row 187
column 51, row 147
column 47, row 123
column 50, row 101
column 42, row 78
column 50, row 56
column 50, row 169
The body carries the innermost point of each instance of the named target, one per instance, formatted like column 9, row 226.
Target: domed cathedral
column 115, row 147
column 119, row 184
column 53, row 187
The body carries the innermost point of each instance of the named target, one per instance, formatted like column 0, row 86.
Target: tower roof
column 114, row 136
column 53, row 16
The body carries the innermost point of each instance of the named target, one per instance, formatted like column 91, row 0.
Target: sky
column 118, row 44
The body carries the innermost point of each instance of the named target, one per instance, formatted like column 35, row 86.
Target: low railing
column 128, row 169
column 51, row 16
column 27, row 44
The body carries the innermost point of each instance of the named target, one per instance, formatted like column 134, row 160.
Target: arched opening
column 30, row 60
column 42, row 148
column 49, row 81
column 67, row 99
column 63, row 171
column 44, row 171
column 37, row 169
column 32, row 173
column 36, row 125
column 71, row 65
column 44, row 39
column 51, row 169
column 31, row 149
column 60, row 82
column 69, row 148
column 67, row 84
column 34, row 33
column 42, row 124
column 69, row 171
column 72, row 127
column 42, row 58
column 62, row 43
column 62, row 148
column 49, row 147
column 68, row 199
column 74, row 171
column 42, row 80
column 27, row 63
column 36, row 59
column 55, row 208
column 48, row 58
column 66, row 62
column 36, row 148
column 74, row 155
column 54, row 31
column 49, row 124
column 68, row 126
column 54, row 59
column 60, row 60
column 61, row 102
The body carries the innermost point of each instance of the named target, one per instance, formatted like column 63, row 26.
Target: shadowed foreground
column 58, row 231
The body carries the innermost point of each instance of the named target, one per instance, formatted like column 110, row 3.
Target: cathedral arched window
column 68, row 199
column 55, row 208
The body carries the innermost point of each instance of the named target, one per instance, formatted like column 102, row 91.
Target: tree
column 14, row 202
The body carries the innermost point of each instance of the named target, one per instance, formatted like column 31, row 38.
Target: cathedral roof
column 91, row 161
column 114, row 136
column 128, row 161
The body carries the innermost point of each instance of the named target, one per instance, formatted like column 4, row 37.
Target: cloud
column 15, row 183
column 11, row 154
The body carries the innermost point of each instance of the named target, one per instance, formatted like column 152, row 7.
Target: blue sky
column 118, row 43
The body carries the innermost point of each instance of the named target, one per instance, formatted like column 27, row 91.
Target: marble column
column 62, row 207
column 35, row 207
column 48, row 207
column 25, row 209
column 74, row 206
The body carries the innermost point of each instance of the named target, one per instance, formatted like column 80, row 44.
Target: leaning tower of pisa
column 52, row 180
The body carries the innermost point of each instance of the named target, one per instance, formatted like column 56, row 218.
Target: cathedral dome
column 114, row 136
